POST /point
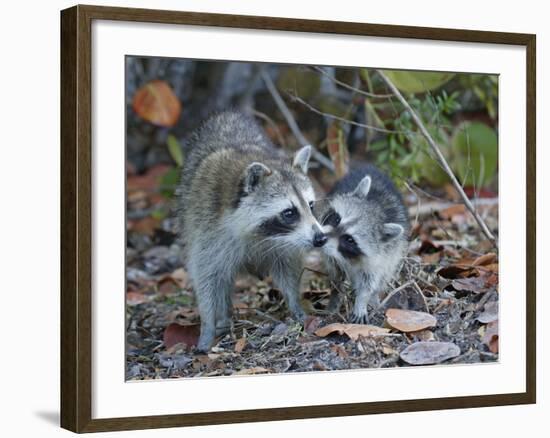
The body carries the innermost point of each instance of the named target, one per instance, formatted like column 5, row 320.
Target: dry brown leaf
column 254, row 370
column 157, row 103
column 353, row 331
column 311, row 324
column 428, row 247
column 474, row 284
column 167, row 286
column 428, row 353
column 424, row 335
column 338, row 149
column 490, row 337
column 340, row 351
column 432, row 259
column 147, row 225
column 409, row 320
column 485, row 259
column 493, row 267
column 490, row 313
column 240, row 344
column 457, row 271
column 453, row 210
column 135, row 298
column 491, row 280
column 387, row 350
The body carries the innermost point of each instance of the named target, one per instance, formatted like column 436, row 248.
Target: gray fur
column 234, row 187
column 373, row 214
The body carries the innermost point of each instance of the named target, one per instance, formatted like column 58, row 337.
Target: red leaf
column 181, row 334
column 157, row 103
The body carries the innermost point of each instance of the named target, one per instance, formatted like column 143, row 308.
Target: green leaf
column 475, row 150
column 169, row 181
column 429, row 168
column 417, row 82
column 174, row 148
column 378, row 145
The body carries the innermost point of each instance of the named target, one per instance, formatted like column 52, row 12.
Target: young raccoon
column 367, row 227
column 244, row 206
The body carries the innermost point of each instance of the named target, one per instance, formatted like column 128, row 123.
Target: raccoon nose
column 319, row 239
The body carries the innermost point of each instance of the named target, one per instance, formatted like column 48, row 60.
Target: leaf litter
column 442, row 308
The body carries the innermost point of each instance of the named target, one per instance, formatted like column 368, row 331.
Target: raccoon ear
column 362, row 189
column 301, row 158
column 253, row 174
column 391, row 231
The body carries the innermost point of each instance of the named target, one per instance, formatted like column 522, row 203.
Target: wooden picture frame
column 76, row 218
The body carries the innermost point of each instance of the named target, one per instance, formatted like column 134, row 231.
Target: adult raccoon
column 243, row 206
column 367, row 226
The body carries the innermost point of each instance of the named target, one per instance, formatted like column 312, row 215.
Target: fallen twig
column 440, row 158
column 393, row 292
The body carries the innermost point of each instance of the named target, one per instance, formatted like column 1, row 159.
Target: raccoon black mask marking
column 366, row 223
column 284, row 223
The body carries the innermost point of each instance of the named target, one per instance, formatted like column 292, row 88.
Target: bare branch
column 440, row 158
column 344, row 120
column 318, row 156
column 351, row 87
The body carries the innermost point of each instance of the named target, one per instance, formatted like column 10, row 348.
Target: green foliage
column 427, row 164
column 484, row 89
column 475, row 149
column 417, row 81
column 169, row 181
column 175, row 150
column 405, row 153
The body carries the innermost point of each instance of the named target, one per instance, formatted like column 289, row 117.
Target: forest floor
column 441, row 309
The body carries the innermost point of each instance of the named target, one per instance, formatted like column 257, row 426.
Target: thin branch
column 351, row 87
column 344, row 120
column 440, row 158
column 393, row 292
column 318, row 156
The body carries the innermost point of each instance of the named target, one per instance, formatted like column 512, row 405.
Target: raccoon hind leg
column 212, row 290
column 223, row 312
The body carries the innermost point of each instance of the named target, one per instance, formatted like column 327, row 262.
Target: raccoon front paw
column 362, row 318
column 205, row 342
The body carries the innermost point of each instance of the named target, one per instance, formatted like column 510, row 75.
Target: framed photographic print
column 268, row 218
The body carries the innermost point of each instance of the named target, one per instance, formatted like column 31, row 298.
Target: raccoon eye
column 311, row 205
column 290, row 215
column 349, row 240
column 333, row 219
column 348, row 247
